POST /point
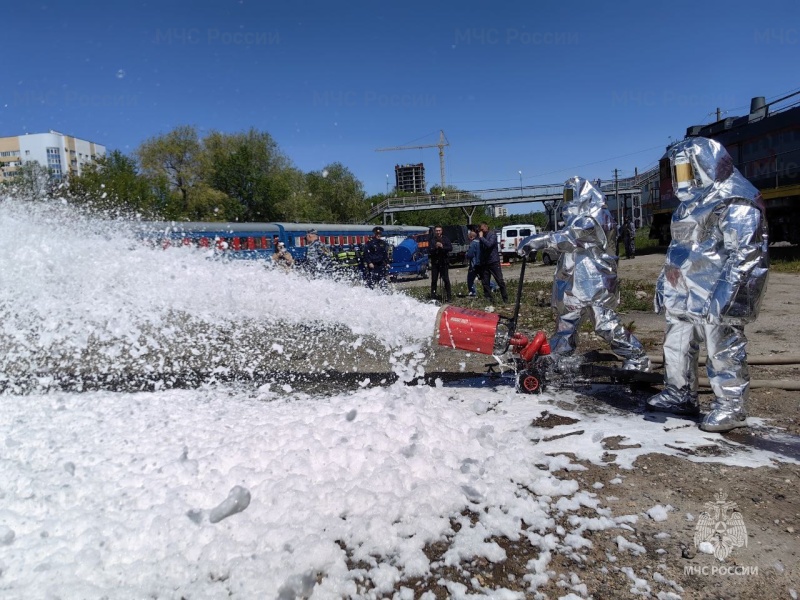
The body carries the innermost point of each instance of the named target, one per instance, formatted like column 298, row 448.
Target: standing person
column 317, row 255
column 376, row 259
column 282, row 257
column 629, row 237
column 713, row 280
column 490, row 262
column 439, row 253
column 473, row 255
column 585, row 282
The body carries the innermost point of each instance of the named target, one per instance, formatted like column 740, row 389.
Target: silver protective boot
column 640, row 363
column 674, row 401
column 724, row 416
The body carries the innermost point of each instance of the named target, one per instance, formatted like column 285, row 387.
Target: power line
column 769, row 100
column 565, row 169
column 790, row 92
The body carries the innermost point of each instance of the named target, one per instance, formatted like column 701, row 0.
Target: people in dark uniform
column 629, row 238
column 376, row 259
column 490, row 262
column 473, row 255
column 439, row 251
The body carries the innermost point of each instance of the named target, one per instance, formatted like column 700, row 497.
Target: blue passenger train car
column 258, row 240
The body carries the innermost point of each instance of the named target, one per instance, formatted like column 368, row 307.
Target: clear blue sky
column 548, row 88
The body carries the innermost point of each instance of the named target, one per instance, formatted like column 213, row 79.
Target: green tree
column 295, row 203
column 339, row 196
column 247, row 167
column 113, row 183
column 176, row 158
column 33, row 182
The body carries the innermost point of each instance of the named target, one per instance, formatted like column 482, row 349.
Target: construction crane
column 442, row 143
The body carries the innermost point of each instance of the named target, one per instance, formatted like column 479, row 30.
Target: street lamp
column 520, row 184
column 387, row 184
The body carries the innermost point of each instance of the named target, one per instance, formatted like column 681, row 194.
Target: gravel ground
column 767, row 567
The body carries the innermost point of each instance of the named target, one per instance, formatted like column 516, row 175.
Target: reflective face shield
column 683, row 175
column 569, row 208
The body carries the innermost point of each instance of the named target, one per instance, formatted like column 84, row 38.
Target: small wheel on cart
column 529, row 383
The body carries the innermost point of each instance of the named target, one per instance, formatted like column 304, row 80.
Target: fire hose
column 775, row 384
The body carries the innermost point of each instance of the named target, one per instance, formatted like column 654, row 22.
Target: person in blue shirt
column 473, row 255
column 376, row 259
column 490, row 262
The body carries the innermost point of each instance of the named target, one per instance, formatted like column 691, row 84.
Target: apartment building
column 63, row 155
column 410, row 178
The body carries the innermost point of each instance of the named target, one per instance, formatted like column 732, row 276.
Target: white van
column 510, row 236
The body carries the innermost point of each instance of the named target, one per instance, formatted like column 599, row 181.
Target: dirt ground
column 767, row 497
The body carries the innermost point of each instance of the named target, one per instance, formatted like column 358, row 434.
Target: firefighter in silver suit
column 714, row 276
column 585, row 283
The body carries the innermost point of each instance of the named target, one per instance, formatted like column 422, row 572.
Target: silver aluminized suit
column 714, row 276
column 585, row 281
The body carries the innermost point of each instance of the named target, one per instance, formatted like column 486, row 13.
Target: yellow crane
column 442, row 143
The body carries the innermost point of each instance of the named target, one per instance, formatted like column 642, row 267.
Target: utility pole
column 719, row 115
column 616, row 196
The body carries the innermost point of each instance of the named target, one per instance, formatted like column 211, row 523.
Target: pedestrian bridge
column 496, row 196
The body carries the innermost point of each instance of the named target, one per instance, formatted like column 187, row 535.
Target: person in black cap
column 376, row 259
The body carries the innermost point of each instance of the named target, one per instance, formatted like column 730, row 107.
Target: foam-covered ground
column 261, row 492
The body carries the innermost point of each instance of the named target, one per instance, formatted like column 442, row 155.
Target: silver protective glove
column 532, row 243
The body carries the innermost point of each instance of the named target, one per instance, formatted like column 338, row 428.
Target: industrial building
column 63, row 155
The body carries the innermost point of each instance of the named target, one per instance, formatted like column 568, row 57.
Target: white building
column 63, row 155
column 499, row 211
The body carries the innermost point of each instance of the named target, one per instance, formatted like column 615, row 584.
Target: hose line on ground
column 777, row 359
